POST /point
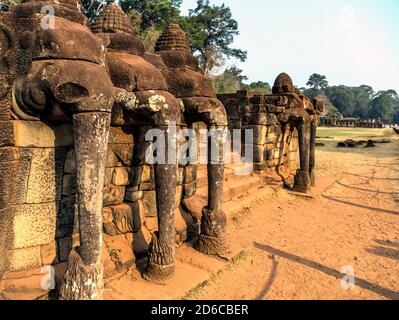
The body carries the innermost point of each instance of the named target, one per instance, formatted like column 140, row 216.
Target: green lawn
column 323, row 132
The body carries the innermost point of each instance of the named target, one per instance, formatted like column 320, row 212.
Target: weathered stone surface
column 179, row 195
column 190, row 174
column 259, row 153
column 69, row 165
column 24, row 259
column 64, row 248
column 149, row 203
column 151, row 223
column 124, row 153
column 120, row 176
column 259, row 134
column 141, row 242
column 147, row 173
column 33, row 225
column 67, row 217
column 112, row 159
column 189, row 189
column 122, row 219
column 113, row 195
column 259, row 166
column 5, row 104
column 182, row 221
column 7, row 134
column 8, row 154
column 14, row 176
column 133, row 195
column 69, row 185
column 45, row 175
column 109, row 172
column 40, row 135
column 48, row 254
column 194, row 206
column 119, row 135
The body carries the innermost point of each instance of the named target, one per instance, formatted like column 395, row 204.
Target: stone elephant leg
column 151, row 105
column 302, row 178
column 161, row 260
column 214, row 222
column 84, row 277
column 312, row 154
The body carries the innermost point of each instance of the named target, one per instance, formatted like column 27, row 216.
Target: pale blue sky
column 352, row 42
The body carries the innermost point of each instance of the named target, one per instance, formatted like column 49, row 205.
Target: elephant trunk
column 84, row 277
column 160, row 266
column 302, row 179
column 312, row 154
column 214, row 222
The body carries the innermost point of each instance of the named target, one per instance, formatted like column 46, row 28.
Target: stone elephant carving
column 67, row 81
column 142, row 100
column 303, row 115
column 186, row 81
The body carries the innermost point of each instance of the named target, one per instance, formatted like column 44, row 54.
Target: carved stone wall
column 275, row 144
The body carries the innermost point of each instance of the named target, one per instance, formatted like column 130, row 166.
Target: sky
column 351, row 42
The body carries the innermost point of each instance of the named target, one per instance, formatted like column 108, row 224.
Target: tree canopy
column 211, row 30
column 360, row 101
column 154, row 13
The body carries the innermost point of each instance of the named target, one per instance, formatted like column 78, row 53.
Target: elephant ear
column 7, row 47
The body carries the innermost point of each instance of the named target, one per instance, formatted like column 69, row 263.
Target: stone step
column 235, row 207
column 234, row 188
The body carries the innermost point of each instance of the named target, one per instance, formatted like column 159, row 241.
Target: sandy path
column 295, row 247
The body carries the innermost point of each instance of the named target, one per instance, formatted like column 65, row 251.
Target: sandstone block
column 259, row 166
column 151, row 223
column 45, row 177
column 14, row 176
column 259, row 153
column 7, row 134
column 124, row 153
column 40, row 135
column 149, row 204
column 48, row 253
column 120, row 176
column 133, row 195
column 259, row 134
column 24, row 259
column 109, row 172
column 33, row 225
column 113, row 195
column 118, row 135
column 112, row 159
column 190, row 174
column 189, row 189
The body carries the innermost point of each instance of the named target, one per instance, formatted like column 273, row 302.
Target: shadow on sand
column 364, row 284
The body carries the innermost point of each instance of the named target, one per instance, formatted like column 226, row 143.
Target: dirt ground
column 296, row 247
column 301, row 247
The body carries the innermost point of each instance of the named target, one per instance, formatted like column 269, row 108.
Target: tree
column 385, row 106
column 92, row 8
column 154, row 13
column 211, row 30
column 231, row 80
column 259, row 87
column 317, row 82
